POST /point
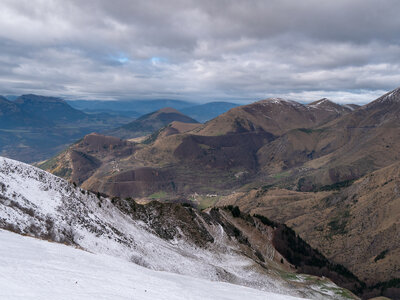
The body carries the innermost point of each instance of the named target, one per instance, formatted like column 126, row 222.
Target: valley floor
column 37, row 269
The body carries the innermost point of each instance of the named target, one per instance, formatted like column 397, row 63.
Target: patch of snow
column 280, row 101
column 349, row 107
column 324, row 100
column 393, row 96
column 37, row 269
column 390, row 95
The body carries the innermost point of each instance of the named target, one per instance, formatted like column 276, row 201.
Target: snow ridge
column 37, row 203
column 393, row 96
column 280, row 101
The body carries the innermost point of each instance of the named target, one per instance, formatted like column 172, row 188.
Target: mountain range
column 225, row 149
column 33, row 128
column 334, row 166
column 329, row 171
column 137, row 108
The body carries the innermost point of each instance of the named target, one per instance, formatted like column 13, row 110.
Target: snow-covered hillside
column 36, row 269
column 39, row 204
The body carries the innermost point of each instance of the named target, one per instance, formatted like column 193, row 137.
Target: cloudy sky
column 346, row 50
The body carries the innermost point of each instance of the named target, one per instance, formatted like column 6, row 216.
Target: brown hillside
column 347, row 148
column 351, row 227
column 199, row 156
column 274, row 115
column 80, row 161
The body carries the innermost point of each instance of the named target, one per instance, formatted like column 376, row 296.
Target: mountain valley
column 34, row 128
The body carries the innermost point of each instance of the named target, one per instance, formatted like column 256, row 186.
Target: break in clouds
column 348, row 51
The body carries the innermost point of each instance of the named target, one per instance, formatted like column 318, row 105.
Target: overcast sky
column 346, row 50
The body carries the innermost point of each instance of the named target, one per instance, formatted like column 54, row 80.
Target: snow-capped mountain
column 172, row 238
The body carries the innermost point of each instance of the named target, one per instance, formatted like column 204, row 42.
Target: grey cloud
column 200, row 50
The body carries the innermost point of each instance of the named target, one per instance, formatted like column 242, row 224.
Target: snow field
column 37, row 269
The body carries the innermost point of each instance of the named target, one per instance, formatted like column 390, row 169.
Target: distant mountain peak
column 167, row 113
column 278, row 100
column 38, row 99
column 150, row 123
column 3, row 99
column 392, row 96
column 323, row 101
column 168, row 110
column 329, row 105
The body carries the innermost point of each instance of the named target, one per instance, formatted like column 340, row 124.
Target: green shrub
column 265, row 220
column 381, row 255
column 234, row 210
column 336, row 186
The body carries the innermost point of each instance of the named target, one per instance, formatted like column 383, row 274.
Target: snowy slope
column 36, row 269
column 39, row 204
